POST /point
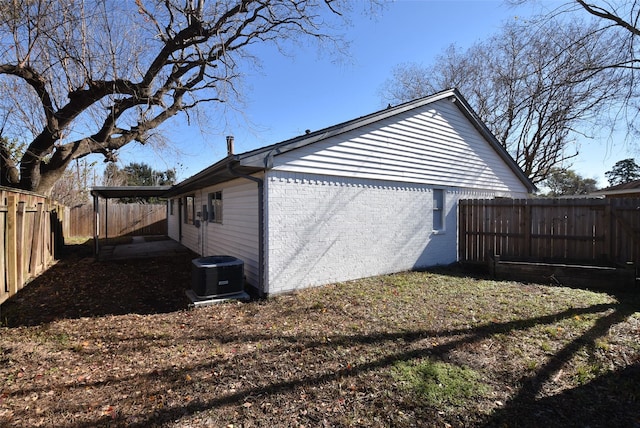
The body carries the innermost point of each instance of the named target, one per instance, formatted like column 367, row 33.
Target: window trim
column 438, row 212
column 189, row 209
column 214, row 207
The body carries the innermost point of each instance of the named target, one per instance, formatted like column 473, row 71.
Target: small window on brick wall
column 215, row 207
column 438, row 210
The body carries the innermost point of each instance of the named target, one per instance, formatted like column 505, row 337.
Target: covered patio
column 138, row 247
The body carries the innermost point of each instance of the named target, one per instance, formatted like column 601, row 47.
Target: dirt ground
column 114, row 344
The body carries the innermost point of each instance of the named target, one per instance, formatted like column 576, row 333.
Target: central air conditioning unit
column 217, row 276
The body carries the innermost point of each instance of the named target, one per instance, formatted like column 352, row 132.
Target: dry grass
column 112, row 344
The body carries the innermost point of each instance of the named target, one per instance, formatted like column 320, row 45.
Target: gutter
column 261, row 255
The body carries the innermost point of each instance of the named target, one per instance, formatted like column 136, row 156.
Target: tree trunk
column 47, row 181
column 9, row 175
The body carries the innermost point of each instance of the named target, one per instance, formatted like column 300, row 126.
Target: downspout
column 260, row 182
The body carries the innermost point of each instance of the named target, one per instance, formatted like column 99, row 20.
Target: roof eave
column 466, row 109
column 113, row 192
column 615, row 192
column 217, row 173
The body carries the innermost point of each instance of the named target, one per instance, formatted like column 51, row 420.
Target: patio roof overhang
column 113, row 192
column 225, row 170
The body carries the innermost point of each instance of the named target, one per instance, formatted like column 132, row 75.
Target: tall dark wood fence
column 30, row 235
column 592, row 231
column 120, row 219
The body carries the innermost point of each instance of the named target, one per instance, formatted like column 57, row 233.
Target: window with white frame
column 189, row 209
column 438, row 210
column 171, row 202
column 215, row 207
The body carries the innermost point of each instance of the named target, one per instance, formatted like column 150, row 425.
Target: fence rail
column 30, row 236
column 119, row 220
column 594, row 231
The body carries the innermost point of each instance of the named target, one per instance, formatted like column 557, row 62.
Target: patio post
column 96, row 226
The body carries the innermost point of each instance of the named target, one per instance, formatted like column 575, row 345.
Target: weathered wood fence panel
column 30, row 235
column 33, row 228
column 123, row 219
column 593, row 231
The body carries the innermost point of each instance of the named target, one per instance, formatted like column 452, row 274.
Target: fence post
column 3, row 250
column 527, row 227
column 12, row 244
column 462, row 224
column 20, row 238
column 36, row 239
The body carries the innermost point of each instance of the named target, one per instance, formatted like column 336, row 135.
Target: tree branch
column 38, row 83
column 606, row 14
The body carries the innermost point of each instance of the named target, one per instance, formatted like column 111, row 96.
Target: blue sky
column 310, row 90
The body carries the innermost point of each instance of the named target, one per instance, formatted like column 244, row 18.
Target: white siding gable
column 434, row 144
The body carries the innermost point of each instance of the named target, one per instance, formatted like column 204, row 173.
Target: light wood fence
column 33, row 228
column 119, row 220
column 602, row 232
column 30, row 236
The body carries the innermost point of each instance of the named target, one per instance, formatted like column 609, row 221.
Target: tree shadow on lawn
column 80, row 286
column 601, row 402
column 612, row 399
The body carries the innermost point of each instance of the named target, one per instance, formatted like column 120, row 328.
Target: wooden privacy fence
column 604, row 232
column 119, row 219
column 30, row 235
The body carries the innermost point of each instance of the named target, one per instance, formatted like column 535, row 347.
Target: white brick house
column 374, row 195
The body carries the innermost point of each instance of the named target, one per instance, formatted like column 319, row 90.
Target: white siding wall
column 172, row 220
column 435, row 144
column 236, row 236
column 190, row 233
column 323, row 229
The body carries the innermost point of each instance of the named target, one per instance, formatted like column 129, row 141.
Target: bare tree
column 74, row 186
column 113, row 176
column 617, row 21
column 620, row 17
column 90, row 76
column 532, row 92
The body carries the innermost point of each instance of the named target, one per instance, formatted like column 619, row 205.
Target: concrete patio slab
column 141, row 248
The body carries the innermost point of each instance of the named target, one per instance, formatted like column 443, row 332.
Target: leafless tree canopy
column 535, row 86
column 621, row 17
column 90, row 76
column 617, row 21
